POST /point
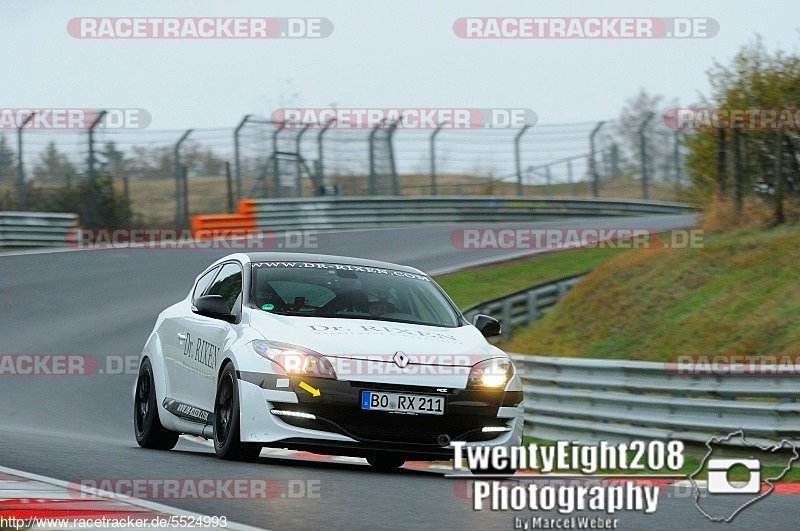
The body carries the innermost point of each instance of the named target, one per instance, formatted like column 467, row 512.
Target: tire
column 227, row 440
column 146, row 423
column 385, row 462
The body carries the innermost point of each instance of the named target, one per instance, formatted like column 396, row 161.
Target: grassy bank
column 483, row 283
column 738, row 294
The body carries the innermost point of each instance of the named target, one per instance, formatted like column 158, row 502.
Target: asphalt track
column 103, row 303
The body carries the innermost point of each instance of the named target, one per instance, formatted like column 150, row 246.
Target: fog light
column 296, row 414
column 495, row 429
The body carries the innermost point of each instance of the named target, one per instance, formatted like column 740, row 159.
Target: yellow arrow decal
column 314, row 392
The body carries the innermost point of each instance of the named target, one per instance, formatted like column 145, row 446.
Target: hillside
column 738, row 294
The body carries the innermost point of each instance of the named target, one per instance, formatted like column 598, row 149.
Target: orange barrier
column 218, row 225
column 246, row 206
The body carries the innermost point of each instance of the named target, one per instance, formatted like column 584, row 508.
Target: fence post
column 392, row 166
column 126, row 194
column 549, row 180
column 236, row 160
column 433, row 156
column 185, row 179
column 180, row 216
column 505, row 330
column 721, row 164
column 569, row 176
column 276, row 166
column 677, row 159
column 372, row 176
column 518, row 160
column 533, row 306
column 614, row 160
column 229, row 186
column 738, row 173
column 90, row 160
column 779, row 179
column 562, row 289
column 298, row 167
column 21, row 186
column 643, row 155
column 320, row 156
column 592, row 162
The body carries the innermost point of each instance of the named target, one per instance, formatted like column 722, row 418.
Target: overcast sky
column 380, row 54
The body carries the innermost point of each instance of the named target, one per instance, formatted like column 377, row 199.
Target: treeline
column 141, row 162
column 752, row 172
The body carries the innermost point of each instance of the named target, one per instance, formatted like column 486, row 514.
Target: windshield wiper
column 291, row 313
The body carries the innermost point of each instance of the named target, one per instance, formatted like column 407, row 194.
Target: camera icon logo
column 718, row 482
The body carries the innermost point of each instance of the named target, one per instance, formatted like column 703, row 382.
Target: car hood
column 377, row 341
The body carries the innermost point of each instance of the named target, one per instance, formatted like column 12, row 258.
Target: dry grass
column 738, row 294
column 719, row 214
column 153, row 200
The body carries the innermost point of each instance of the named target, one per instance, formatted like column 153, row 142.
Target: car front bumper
column 339, row 426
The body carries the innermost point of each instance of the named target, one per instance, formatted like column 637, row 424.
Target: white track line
column 144, row 504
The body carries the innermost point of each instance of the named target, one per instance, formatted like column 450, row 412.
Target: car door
column 206, row 339
column 173, row 337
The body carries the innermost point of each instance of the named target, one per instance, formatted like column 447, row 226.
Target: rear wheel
column 227, row 438
column 146, row 423
column 385, row 462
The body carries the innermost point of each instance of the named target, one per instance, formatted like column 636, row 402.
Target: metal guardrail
column 361, row 212
column 525, row 306
column 35, row 229
column 590, row 400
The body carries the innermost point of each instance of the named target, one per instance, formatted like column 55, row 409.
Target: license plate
column 402, row 403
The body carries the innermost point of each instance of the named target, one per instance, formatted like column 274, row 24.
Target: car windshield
column 349, row 291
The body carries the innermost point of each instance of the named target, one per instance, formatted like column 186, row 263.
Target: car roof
column 326, row 258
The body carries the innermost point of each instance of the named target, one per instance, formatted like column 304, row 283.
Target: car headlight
column 490, row 374
column 296, row 361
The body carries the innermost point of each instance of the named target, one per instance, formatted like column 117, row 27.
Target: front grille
column 404, row 434
column 388, row 427
column 338, row 409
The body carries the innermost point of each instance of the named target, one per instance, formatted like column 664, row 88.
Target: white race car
column 328, row 354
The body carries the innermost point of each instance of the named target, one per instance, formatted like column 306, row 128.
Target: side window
column 228, row 284
column 203, row 282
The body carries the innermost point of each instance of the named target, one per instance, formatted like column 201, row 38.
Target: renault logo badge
column 400, row 359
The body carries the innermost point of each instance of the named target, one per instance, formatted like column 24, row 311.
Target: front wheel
column 227, row 438
column 385, row 462
column 146, row 423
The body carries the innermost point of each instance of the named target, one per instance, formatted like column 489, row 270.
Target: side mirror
column 213, row 306
column 488, row 326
